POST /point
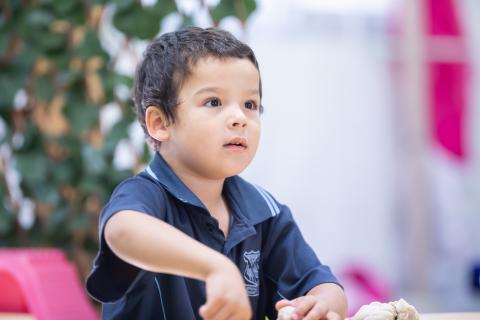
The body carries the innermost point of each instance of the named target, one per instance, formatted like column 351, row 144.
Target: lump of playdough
column 395, row 310
column 375, row 311
column 404, row 310
column 285, row 313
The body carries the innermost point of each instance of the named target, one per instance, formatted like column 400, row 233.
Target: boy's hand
column 308, row 307
column 226, row 295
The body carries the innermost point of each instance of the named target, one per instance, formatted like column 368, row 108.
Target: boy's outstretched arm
column 325, row 301
column 153, row 245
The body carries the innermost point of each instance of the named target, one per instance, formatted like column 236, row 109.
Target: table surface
column 16, row 316
column 446, row 316
column 451, row 316
column 424, row 316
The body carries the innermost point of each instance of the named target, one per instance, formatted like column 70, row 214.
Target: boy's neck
column 209, row 191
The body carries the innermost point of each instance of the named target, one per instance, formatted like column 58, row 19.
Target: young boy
column 187, row 238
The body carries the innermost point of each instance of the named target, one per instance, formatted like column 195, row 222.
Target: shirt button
column 210, row 227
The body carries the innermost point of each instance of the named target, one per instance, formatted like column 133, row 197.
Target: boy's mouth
column 237, row 142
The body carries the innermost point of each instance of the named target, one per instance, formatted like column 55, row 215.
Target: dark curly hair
column 168, row 62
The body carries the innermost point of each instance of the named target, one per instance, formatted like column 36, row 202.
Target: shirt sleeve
column 290, row 263
column 111, row 277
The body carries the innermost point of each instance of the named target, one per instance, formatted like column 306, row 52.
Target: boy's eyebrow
column 217, row 90
column 254, row 91
column 208, row 89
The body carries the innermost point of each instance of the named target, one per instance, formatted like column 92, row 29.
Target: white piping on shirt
column 281, row 295
column 150, row 172
column 161, row 299
column 271, row 203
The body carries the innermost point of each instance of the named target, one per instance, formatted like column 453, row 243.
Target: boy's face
column 218, row 121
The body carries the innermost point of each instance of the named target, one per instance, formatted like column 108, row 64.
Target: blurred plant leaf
column 93, row 161
column 122, row 4
column 187, row 21
column 46, row 193
column 165, row 7
column 25, row 59
column 11, row 80
column 237, row 8
column 52, row 42
column 7, row 218
column 44, row 88
column 63, row 7
column 90, row 46
column 7, row 223
column 33, row 166
column 57, row 221
column 141, row 22
column 37, row 18
column 51, row 50
column 111, row 81
column 5, row 37
column 64, row 173
column 82, row 117
column 31, row 139
column 80, row 222
column 118, row 132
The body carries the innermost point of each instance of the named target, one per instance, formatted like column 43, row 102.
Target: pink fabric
column 448, row 106
column 448, row 76
column 442, row 18
column 362, row 286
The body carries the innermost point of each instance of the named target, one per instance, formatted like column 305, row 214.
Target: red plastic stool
column 44, row 283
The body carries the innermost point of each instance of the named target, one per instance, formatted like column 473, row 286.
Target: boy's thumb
column 283, row 303
column 202, row 310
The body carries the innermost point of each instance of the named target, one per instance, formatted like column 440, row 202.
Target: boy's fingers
column 304, row 305
column 283, row 303
column 333, row 316
column 209, row 309
column 318, row 312
column 222, row 314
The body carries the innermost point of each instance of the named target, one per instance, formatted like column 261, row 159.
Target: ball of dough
column 405, row 311
column 375, row 311
column 395, row 310
column 285, row 313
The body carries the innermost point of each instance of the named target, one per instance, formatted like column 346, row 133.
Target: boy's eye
column 213, row 102
column 251, row 105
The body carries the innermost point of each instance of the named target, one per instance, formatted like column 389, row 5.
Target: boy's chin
column 229, row 171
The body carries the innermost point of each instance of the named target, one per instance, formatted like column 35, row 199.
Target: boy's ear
column 157, row 124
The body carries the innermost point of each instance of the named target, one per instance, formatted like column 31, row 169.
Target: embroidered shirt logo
column 252, row 260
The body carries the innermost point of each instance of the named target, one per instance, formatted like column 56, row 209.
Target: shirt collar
column 254, row 203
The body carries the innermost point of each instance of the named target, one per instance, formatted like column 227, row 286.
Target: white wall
column 471, row 10
column 327, row 140
column 330, row 148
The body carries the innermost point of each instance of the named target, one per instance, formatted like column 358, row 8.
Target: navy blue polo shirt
column 264, row 242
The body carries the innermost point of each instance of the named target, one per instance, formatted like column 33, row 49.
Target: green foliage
column 143, row 22
column 236, row 8
column 50, row 53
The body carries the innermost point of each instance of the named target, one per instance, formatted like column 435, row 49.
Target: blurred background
column 371, row 131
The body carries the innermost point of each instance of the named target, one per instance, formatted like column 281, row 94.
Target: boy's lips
column 237, row 143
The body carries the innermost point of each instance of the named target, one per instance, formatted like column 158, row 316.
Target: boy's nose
column 240, row 123
column 237, row 118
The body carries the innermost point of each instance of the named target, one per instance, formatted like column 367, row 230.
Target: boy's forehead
column 209, row 71
column 210, row 62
